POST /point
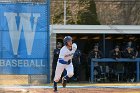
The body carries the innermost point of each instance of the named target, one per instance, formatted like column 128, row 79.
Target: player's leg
column 70, row 73
column 70, row 70
column 53, row 73
column 59, row 69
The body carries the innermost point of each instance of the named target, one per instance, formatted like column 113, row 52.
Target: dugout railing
column 105, row 60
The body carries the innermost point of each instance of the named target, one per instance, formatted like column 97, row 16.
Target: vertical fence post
column 104, row 44
column 29, row 79
column 48, row 21
column 91, row 70
column 138, row 71
column 65, row 11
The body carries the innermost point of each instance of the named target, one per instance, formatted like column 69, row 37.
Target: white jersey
column 66, row 54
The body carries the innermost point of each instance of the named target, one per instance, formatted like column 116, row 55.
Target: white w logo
column 25, row 24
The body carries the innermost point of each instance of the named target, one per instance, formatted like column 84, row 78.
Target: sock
column 66, row 77
column 55, row 85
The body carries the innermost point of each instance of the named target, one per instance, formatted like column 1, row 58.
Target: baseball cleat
column 55, row 91
column 64, row 82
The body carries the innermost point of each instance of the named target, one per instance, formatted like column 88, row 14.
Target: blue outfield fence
column 24, row 38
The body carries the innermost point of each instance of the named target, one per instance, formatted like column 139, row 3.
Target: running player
column 65, row 62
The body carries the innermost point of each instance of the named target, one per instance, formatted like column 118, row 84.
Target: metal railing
column 137, row 60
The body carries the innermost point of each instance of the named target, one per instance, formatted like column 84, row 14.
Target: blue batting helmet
column 66, row 39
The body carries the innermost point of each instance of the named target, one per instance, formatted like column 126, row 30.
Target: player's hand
column 74, row 46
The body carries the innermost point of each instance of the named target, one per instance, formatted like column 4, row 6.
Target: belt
column 65, row 62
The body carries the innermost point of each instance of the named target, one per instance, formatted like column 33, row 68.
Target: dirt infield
column 72, row 90
column 75, row 88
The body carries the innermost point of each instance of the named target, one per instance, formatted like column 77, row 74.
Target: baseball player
column 65, row 62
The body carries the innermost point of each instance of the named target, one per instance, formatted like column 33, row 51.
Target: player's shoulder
column 64, row 48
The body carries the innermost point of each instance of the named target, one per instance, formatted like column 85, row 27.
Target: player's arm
column 61, row 56
column 74, row 47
